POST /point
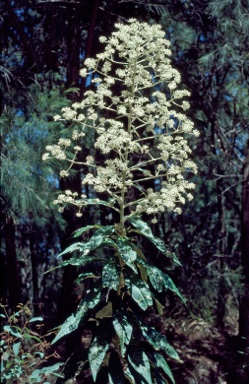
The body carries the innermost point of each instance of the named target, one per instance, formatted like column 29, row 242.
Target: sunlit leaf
column 158, row 341
column 87, row 275
column 156, row 278
column 76, row 261
column 129, row 375
column 35, row 319
column 127, row 253
column 110, row 275
column 140, row 292
column 73, row 321
column 16, row 348
column 160, row 280
column 97, row 239
column 159, row 362
column 124, row 331
column 13, row 330
column 109, row 203
column 72, row 90
column 96, row 355
column 38, row 374
column 140, row 363
column 105, row 231
column 145, row 230
column 82, row 230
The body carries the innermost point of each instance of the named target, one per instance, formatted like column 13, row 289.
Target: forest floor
column 209, row 354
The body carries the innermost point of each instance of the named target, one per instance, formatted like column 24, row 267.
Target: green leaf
column 160, row 280
column 156, row 278
column 169, row 284
column 116, row 374
column 158, row 341
column 97, row 239
column 16, row 348
column 41, row 355
column 96, row 355
column 158, row 378
column 109, row 203
column 86, row 275
column 38, row 374
column 13, row 330
column 159, row 362
column 105, row 231
column 124, row 331
column 111, row 275
column 71, row 248
column 140, row 292
column 76, row 261
column 35, row 319
column 82, row 230
column 73, row 321
column 146, row 231
column 129, row 375
column 140, row 363
column 127, row 253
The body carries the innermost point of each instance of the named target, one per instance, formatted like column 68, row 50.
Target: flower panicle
column 147, row 127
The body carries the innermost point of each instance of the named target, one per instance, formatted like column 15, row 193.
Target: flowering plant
column 137, row 115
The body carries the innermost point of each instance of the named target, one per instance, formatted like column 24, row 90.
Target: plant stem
column 126, row 157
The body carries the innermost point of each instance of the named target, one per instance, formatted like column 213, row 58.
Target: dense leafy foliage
column 23, row 348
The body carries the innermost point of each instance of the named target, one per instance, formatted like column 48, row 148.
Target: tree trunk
column 12, row 280
column 221, row 308
column 244, row 302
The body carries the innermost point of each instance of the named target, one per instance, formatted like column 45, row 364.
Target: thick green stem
column 126, row 156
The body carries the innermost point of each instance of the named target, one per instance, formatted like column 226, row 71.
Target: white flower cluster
column 69, row 197
column 139, row 123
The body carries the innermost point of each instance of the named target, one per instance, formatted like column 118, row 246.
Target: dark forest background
column 43, row 45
